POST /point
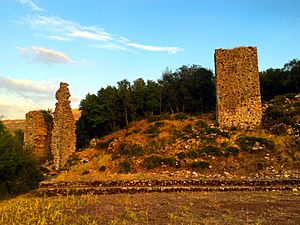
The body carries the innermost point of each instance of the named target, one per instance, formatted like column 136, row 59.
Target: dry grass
column 173, row 208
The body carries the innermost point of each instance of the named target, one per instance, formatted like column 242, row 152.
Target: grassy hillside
column 192, row 147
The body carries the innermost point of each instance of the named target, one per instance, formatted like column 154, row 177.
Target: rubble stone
column 63, row 140
column 37, row 132
column 238, row 88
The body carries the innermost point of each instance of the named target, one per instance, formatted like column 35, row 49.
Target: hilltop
column 192, row 146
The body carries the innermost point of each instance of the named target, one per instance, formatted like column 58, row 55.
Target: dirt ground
column 196, row 208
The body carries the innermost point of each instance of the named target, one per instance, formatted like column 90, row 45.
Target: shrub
column 104, row 144
column 102, row 168
column 19, row 171
column 131, row 150
column 152, row 147
column 125, row 166
column 252, row 144
column 217, row 131
column 211, row 150
column 230, row 151
column 188, row 129
column 199, row 165
column 152, row 130
column 135, row 131
column 201, row 124
column 180, row 116
column 181, row 155
column 192, row 154
column 152, row 162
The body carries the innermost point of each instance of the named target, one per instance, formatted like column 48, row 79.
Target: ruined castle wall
column 238, row 88
column 63, row 141
column 37, row 133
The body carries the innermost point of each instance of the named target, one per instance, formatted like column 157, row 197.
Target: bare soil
column 196, row 208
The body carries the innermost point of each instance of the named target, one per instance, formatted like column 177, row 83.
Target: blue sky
column 93, row 43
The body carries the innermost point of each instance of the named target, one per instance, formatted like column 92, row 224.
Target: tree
column 19, row 171
column 124, row 89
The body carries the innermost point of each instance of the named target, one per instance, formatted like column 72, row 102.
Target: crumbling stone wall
column 37, row 132
column 63, row 140
column 238, row 89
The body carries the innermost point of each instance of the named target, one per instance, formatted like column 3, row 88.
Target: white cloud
column 100, row 36
column 17, row 97
column 65, row 30
column 169, row 50
column 31, row 4
column 44, row 55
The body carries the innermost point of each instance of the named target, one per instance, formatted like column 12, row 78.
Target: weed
column 199, row 165
column 181, row 155
column 252, row 144
column 125, row 166
column 180, row 116
column 201, row 124
column 131, row 150
column 104, row 144
column 211, row 150
column 188, row 129
column 230, row 151
column 102, row 168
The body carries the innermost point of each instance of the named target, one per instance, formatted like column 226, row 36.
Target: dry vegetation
column 173, row 208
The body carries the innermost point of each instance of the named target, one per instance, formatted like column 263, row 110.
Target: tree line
column 189, row 89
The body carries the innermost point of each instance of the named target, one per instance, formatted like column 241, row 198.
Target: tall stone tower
column 63, row 140
column 238, row 89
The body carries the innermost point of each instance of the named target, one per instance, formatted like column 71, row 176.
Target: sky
column 91, row 44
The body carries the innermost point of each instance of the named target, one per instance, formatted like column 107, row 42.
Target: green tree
column 19, row 171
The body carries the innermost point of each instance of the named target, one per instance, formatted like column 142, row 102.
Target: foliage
column 280, row 81
column 211, row 150
column 131, row 150
column 180, row 116
column 154, row 161
column 199, row 165
column 114, row 107
column 125, row 166
column 19, row 171
column 252, row 144
column 231, row 151
column 104, row 144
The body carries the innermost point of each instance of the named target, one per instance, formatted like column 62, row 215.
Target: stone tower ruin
column 238, row 88
column 37, row 132
column 63, row 140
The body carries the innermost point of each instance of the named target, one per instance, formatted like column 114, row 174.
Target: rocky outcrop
column 238, row 88
column 63, row 140
column 37, row 132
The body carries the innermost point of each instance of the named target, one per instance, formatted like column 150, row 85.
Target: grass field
column 155, row 208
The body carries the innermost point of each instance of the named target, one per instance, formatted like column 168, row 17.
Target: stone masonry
column 37, row 132
column 63, row 140
column 238, row 88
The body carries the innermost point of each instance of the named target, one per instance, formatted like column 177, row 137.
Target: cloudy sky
column 94, row 43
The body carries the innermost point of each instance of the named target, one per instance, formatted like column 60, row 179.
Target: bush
column 154, row 161
column 188, row 129
column 131, row 150
column 180, row 116
column 217, row 131
column 231, row 151
column 192, row 154
column 211, row 150
column 19, row 171
column 252, row 144
column 152, row 130
column 201, row 124
column 125, row 166
column 102, row 168
column 181, row 155
column 199, row 165
column 104, row 144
